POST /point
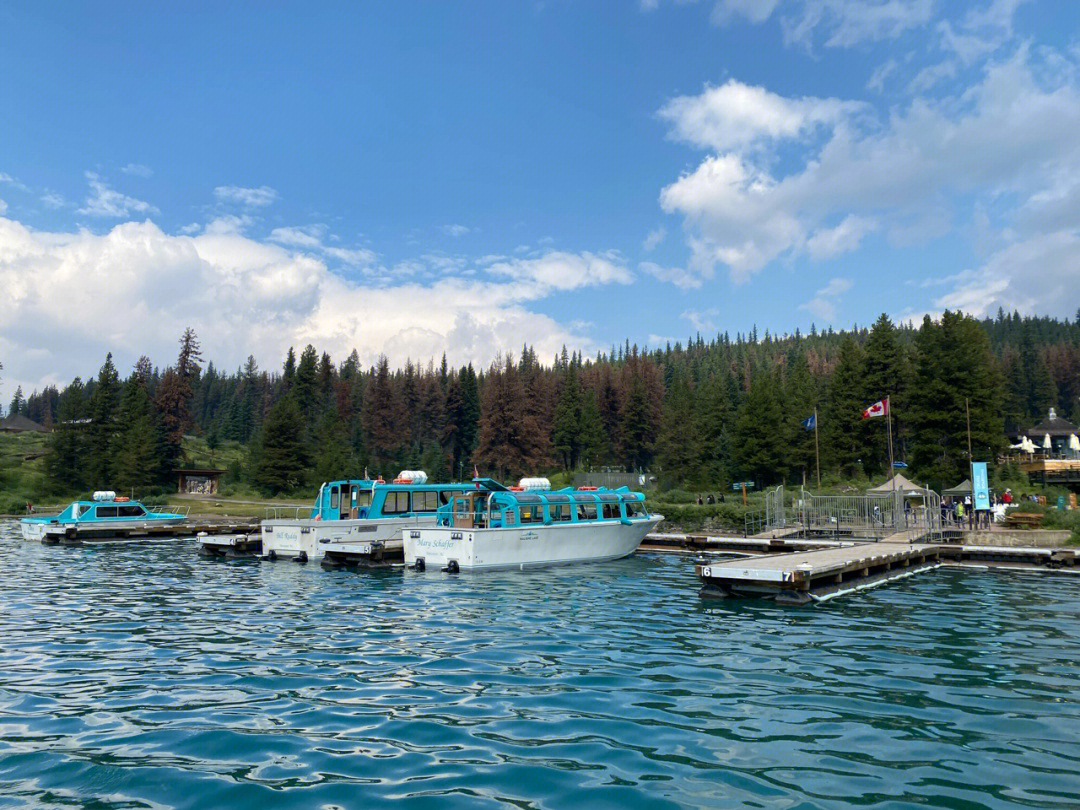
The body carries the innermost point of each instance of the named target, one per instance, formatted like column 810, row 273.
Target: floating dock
column 75, row 535
column 808, row 576
column 376, row 554
column 804, row 576
column 232, row 546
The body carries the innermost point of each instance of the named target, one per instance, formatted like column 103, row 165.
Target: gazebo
column 20, row 424
column 198, row 481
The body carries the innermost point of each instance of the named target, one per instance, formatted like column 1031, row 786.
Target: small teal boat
column 105, row 517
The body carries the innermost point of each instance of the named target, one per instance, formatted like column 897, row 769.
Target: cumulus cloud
column 313, row 238
column 104, row 201
column 1010, row 136
column 248, row 197
column 829, row 242
column 1037, row 275
column 246, row 296
column 823, row 304
column 736, row 115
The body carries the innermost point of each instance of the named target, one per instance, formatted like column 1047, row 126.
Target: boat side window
column 396, row 503
column 586, row 511
column 334, row 496
column 130, row 510
column 559, row 512
column 106, row 512
column 635, row 509
column 532, row 514
column 364, row 498
column 509, row 519
column 445, row 495
column 425, row 501
column 611, row 511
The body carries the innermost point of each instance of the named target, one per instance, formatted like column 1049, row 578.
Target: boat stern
column 439, row 547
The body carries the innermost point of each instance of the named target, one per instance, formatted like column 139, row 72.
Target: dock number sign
column 980, row 487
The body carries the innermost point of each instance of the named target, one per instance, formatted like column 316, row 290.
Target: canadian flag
column 879, row 408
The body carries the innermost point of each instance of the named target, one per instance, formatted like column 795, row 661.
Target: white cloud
column 313, row 238
column 1039, row 275
column 249, row 197
column 655, row 237
column 823, row 304
column 1009, row 137
column 844, row 238
column 245, row 296
column 104, row 201
column 701, row 321
column 680, row 277
column 138, row 170
column 736, row 116
column 3, row 207
column 880, row 74
column 7, row 179
column 455, row 230
column 53, row 200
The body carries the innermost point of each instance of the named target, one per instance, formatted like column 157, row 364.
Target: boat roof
column 367, row 483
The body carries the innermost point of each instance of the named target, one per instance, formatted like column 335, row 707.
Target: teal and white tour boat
column 491, row 526
column 106, row 517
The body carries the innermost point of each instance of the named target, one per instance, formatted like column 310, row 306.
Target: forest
column 698, row 415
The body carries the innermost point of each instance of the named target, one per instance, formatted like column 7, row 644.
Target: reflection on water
column 143, row 676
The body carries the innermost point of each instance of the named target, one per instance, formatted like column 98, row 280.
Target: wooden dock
column 801, row 577
column 75, row 535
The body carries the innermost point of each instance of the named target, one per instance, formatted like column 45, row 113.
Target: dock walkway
column 802, row 576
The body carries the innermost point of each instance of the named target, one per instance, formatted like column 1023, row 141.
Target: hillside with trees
column 698, row 415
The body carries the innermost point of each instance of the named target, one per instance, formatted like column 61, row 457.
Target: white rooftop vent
column 534, row 483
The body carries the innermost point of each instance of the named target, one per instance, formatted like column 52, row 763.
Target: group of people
column 710, row 499
column 962, row 512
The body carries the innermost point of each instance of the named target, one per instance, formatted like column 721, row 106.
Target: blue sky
column 409, row 178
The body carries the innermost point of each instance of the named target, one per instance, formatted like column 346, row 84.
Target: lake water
column 144, row 676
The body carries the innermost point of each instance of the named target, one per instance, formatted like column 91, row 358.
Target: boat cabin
column 491, row 505
column 367, row 499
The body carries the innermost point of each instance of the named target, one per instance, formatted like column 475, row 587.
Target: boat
column 365, row 516
column 497, row 527
column 103, row 518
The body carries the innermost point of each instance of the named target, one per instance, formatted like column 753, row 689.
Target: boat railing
column 169, row 509
column 47, row 511
column 287, row 513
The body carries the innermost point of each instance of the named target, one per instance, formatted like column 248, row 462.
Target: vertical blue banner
column 980, row 486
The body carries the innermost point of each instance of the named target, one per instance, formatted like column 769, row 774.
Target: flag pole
column 888, row 418
column 817, row 451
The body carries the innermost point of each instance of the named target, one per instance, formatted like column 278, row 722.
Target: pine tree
column 885, row 374
column 64, row 457
column 510, row 440
column 281, row 458
column 591, row 434
column 566, row 424
column 384, row 421
column 138, row 448
column 18, row 403
column 761, row 453
column 677, row 449
column 841, row 426
column 712, row 414
column 104, row 425
column 305, row 384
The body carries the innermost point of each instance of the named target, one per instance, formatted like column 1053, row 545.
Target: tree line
column 699, row 415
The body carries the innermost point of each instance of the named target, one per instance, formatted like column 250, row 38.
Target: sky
column 413, row 178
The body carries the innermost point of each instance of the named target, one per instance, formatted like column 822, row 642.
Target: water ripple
column 145, row 677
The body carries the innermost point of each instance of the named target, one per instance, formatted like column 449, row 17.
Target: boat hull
column 288, row 539
column 96, row 530
column 526, row 546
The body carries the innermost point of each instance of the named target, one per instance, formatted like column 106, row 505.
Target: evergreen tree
column 18, row 403
column 64, row 457
column 712, row 413
column 566, row 425
column 591, row 434
column 305, row 384
column 138, row 447
column 510, row 440
column 677, row 450
column 384, row 422
column 281, row 458
column 841, row 427
column 762, row 449
column 104, row 425
column 885, row 374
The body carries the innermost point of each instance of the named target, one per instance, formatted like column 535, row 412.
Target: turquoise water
column 143, row 676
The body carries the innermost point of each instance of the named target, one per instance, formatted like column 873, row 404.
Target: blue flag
column 810, row 423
